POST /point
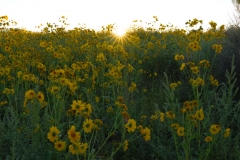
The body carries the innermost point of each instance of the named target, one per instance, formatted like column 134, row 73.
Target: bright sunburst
column 120, row 32
column 119, row 35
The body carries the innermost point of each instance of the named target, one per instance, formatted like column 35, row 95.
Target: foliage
column 86, row 94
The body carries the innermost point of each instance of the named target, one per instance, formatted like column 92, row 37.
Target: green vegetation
column 161, row 93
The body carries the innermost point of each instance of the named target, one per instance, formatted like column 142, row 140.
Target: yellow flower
column 100, row 57
column 176, row 57
column 140, row 128
column 8, row 49
column 97, row 123
column 173, row 86
column 215, row 128
column 130, row 68
column 194, row 70
column 55, row 89
column 6, row 91
column 195, row 103
column 63, row 81
column 199, row 115
column 2, row 71
column 175, row 125
column 82, row 148
column 40, row 96
column 131, row 125
column 132, row 87
column 183, row 65
column 87, row 110
column 30, row 94
column 162, row 116
column 123, row 107
column 53, row 134
column 222, row 27
column 88, row 125
column 3, row 103
column 170, row 114
column 125, row 145
column 208, row 139
column 120, row 99
column 180, row 131
column 125, row 115
column 217, row 48
column 226, row 132
column 72, row 135
column 181, row 57
column 110, row 110
column 43, row 44
column 72, row 149
column 204, row 63
column 183, row 110
column 146, row 132
column 213, row 24
column 78, row 106
column 60, row 145
column 97, row 99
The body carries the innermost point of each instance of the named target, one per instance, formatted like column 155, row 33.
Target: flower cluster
column 194, row 46
column 31, row 95
column 197, row 82
column 213, row 81
column 174, row 85
column 145, row 132
column 132, row 87
column 214, row 129
column 217, row 48
column 53, row 136
column 204, row 63
column 81, row 108
column 178, row 57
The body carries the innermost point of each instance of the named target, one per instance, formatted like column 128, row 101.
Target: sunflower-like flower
column 180, row 131
column 131, row 125
column 73, row 135
column 199, row 115
column 30, row 94
column 226, row 133
column 162, row 116
column 60, row 145
column 78, row 148
column 53, row 134
column 82, row 148
column 125, row 145
column 215, row 128
column 170, row 114
column 88, row 125
column 208, row 139
column 40, row 96
column 72, row 149
column 175, row 125
column 146, row 132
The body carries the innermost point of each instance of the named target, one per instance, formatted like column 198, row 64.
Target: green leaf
column 47, row 155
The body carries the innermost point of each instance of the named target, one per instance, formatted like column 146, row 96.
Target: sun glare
column 120, row 32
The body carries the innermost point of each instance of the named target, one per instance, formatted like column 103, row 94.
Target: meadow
column 153, row 93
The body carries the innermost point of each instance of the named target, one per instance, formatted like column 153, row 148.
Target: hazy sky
column 96, row 13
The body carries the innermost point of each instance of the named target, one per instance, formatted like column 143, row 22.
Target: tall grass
column 151, row 94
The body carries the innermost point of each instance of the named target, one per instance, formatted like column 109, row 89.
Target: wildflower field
column 153, row 93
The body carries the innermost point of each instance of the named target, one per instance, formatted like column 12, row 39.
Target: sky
column 97, row 13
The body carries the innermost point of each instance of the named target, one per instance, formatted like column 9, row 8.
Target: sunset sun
column 120, row 32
